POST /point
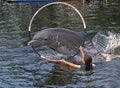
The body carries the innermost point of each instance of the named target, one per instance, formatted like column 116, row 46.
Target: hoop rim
column 29, row 30
column 41, row 8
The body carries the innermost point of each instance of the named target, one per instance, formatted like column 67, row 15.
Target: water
column 20, row 67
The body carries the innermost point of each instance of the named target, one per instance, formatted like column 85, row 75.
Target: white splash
column 108, row 45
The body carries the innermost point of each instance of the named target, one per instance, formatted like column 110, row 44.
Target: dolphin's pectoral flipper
column 64, row 50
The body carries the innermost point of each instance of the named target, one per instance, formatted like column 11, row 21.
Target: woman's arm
column 71, row 64
column 82, row 51
column 83, row 54
column 62, row 61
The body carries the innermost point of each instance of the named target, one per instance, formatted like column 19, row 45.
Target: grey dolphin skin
column 62, row 40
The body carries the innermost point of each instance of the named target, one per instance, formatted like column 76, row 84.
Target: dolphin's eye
column 46, row 39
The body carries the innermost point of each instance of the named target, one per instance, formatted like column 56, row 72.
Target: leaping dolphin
column 62, row 40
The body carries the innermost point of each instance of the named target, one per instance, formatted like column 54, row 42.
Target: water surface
column 20, row 67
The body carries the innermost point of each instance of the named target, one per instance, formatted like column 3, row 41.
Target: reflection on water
column 20, row 67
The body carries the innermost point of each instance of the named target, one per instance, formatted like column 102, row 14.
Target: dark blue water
column 20, row 67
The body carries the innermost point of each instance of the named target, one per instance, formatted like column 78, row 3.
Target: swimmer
column 86, row 59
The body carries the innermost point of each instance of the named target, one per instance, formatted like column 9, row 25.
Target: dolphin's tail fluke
column 106, row 44
column 100, row 42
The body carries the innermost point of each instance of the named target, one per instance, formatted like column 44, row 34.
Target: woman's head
column 87, row 61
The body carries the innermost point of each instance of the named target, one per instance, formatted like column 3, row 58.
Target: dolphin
column 64, row 41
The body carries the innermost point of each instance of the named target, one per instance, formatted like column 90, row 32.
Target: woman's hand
column 81, row 48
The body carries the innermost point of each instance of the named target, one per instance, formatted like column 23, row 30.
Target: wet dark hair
column 88, row 62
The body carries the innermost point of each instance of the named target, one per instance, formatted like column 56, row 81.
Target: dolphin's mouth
column 30, row 43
